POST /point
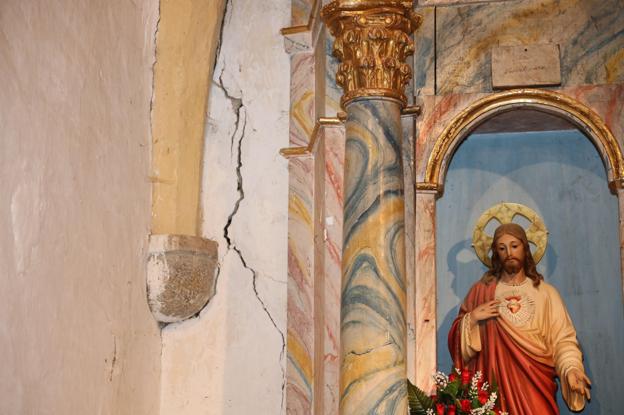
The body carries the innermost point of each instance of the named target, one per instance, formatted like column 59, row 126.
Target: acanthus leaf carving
column 372, row 42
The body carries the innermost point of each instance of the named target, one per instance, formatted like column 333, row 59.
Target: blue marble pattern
column 424, row 53
column 333, row 92
column 373, row 327
column 590, row 34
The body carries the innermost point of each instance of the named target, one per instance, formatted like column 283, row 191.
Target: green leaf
column 418, row 400
column 475, row 403
column 452, row 388
column 494, row 385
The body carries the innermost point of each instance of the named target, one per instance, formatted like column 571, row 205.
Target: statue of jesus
column 514, row 327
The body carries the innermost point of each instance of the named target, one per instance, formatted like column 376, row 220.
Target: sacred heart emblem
column 514, row 303
column 516, row 307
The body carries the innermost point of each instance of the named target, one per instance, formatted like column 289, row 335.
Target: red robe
column 526, row 382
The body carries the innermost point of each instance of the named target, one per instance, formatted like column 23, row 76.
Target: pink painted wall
column 76, row 336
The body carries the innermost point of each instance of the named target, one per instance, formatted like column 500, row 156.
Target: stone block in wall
column 181, row 273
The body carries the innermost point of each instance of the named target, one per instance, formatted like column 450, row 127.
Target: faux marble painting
column 302, row 93
column 438, row 111
column 333, row 92
column 300, row 286
column 407, row 154
column 301, row 348
column 301, row 12
column 315, row 238
column 424, row 53
column 453, row 2
column 373, row 325
column 590, row 34
column 424, row 259
column 333, row 220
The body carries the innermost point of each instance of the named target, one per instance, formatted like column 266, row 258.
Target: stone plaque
column 528, row 65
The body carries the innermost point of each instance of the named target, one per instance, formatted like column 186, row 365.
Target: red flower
column 451, row 410
column 452, row 377
column 465, row 405
column 483, row 397
column 440, row 408
column 465, row 377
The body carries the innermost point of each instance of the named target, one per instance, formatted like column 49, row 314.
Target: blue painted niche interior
column 560, row 175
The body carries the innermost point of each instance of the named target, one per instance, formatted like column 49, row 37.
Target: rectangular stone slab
column 525, row 65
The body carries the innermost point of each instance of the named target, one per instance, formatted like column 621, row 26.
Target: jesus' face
column 511, row 253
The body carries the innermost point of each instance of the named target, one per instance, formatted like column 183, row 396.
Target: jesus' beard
column 511, row 266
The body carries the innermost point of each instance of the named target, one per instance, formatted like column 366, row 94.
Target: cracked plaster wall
column 76, row 336
column 230, row 359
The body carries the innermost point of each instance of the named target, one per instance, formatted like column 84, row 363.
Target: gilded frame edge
column 573, row 110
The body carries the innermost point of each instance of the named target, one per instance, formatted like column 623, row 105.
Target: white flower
column 430, row 412
column 487, row 407
column 474, row 384
column 440, row 379
column 490, row 402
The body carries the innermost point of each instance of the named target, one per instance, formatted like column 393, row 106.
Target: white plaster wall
column 231, row 358
column 76, row 336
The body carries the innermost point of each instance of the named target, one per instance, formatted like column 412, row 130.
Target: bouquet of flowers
column 460, row 393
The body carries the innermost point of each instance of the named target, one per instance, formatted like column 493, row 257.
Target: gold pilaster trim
column 616, row 184
column 545, row 100
column 339, row 119
column 288, row 152
column 423, row 187
column 372, row 43
column 411, row 111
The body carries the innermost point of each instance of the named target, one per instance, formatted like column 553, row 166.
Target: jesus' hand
column 579, row 382
column 485, row 311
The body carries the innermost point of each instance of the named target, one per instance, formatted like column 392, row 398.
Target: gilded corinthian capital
column 372, row 43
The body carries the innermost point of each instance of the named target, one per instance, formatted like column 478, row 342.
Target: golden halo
column 504, row 213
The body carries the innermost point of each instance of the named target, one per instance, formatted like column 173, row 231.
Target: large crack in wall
column 239, row 340
column 238, row 107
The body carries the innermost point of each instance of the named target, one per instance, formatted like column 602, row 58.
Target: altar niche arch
column 432, row 187
column 542, row 100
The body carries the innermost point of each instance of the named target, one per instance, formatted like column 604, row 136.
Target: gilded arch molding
column 544, row 100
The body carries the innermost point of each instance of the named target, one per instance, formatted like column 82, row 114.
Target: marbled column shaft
column 373, row 326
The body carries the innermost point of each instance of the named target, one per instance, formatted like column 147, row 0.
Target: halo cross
column 504, row 213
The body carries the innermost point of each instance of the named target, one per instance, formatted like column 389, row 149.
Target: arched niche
column 431, row 188
column 542, row 100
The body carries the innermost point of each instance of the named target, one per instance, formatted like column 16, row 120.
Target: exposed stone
column 181, row 273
